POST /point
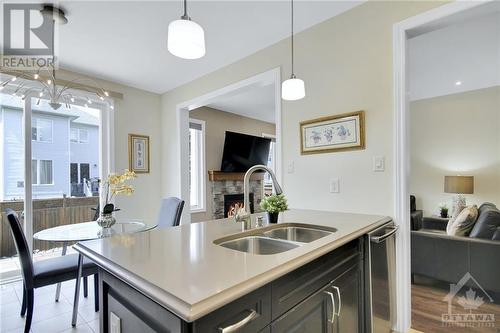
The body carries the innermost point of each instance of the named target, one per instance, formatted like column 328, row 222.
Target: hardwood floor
column 428, row 305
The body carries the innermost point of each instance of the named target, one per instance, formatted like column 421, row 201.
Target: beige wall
column 346, row 63
column 217, row 122
column 452, row 135
column 139, row 113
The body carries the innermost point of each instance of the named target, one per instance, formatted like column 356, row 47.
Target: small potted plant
column 443, row 210
column 273, row 205
column 114, row 185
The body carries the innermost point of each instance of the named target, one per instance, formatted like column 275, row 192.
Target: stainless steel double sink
column 274, row 239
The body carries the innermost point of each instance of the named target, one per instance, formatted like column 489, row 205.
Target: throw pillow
column 463, row 223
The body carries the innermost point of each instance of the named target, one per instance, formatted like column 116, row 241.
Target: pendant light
column 186, row 38
column 293, row 89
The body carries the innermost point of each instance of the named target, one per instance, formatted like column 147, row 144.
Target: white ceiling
column 255, row 101
column 125, row 41
column 465, row 51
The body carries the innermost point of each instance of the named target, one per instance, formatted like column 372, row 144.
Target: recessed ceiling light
column 458, row 83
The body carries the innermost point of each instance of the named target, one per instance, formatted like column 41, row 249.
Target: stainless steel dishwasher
column 381, row 278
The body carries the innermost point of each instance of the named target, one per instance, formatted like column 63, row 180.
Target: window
column 270, row 160
column 73, row 136
column 84, row 136
column 197, row 164
column 45, row 172
column 84, row 172
column 41, row 130
column 41, row 172
column 73, row 169
column 79, row 135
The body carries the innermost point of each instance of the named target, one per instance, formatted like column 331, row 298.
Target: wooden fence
column 47, row 213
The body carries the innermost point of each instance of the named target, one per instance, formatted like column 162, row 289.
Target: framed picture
column 138, row 153
column 334, row 133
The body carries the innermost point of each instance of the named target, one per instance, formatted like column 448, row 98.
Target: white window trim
column 203, row 178
column 35, row 122
column 38, row 172
column 79, row 136
column 275, row 154
column 80, row 141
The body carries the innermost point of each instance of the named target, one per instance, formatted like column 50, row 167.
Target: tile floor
column 48, row 316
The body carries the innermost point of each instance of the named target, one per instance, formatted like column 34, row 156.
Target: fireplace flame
column 234, row 208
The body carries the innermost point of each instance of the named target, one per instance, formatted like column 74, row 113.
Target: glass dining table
column 78, row 232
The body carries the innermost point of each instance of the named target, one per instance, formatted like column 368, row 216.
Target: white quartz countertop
column 184, row 271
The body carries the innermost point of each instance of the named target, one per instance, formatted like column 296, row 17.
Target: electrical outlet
column 379, row 163
column 334, row 185
column 291, row 167
column 114, row 323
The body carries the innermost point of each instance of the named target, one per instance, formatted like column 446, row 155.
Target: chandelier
column 44, row 84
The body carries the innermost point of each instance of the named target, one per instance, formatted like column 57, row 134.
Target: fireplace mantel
column 218, row 176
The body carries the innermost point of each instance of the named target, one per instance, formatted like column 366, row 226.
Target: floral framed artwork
column 138, row 153
column 334, row 133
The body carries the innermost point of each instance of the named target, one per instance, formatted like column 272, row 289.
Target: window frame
column 202, row 207
column 79, row 135
column 80, row 130
column 70, row 134
column 37, row 162
column 274, row 154
column 34, row 123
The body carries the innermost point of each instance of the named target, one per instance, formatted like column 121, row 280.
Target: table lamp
column 459, row 185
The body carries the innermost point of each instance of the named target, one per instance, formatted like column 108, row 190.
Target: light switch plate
column 379, row 163
column 291, row 167
column 114, row 323
column 334, row 185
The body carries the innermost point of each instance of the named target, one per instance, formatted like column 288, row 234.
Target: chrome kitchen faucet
column 243, row 214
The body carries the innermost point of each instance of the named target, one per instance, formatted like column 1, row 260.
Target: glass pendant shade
column 293, row 89
column 186, row 39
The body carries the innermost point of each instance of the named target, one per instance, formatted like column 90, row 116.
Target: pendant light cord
column 185, row 16
column 293, row 72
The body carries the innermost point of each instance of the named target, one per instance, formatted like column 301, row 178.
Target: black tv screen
column 242, row 151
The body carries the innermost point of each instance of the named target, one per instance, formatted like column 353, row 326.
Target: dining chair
column 46, row 272
column 170, row 212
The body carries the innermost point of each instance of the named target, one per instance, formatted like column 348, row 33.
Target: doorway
column 424, row 23
column 223, row 100
column 51, row 164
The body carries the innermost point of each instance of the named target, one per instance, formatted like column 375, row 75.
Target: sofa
column 436, row 255
column 416, row 215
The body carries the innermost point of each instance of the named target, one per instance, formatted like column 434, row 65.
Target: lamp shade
column 293, row 89
column 186, row 39
column 459, row 184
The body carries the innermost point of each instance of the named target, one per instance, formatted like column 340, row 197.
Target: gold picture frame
column 342, row 132
column 138, row 153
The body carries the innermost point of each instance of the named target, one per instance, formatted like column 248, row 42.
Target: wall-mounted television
column 242, row 151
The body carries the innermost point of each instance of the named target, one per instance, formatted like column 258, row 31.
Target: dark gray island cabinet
column 324, row 295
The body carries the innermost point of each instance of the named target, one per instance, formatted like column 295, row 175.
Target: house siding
column 60, row 151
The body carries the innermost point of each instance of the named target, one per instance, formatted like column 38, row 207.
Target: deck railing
column 47, row 213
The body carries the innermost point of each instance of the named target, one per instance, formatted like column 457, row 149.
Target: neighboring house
column 65, row 152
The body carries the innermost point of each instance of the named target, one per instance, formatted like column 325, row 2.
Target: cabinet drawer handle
column 235, row 327
column 340, row 301
column 333, row 306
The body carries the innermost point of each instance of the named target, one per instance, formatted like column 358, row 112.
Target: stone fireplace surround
column 232, row 183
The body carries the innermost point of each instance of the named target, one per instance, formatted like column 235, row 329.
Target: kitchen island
column 178, row 280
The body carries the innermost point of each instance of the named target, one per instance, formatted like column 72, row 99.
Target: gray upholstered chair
column 170, row 212
column 45, row 272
